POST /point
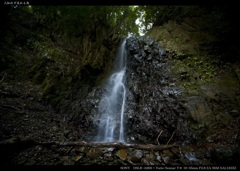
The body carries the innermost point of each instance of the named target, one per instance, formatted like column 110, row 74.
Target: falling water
column 112, row 104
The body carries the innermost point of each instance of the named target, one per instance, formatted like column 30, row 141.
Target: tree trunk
column 119, row 145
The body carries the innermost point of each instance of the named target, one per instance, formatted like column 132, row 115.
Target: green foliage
column 217, row 18
column 158, row 15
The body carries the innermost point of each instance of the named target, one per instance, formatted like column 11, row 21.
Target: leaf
column 122, row 154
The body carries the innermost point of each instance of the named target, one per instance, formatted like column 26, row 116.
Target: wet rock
column 190, row 156
column 136, row 156
column 183, row 161
column 223, row 155
column 149, row 82
column 166, row 160
column 199, row 109
column 210, row 91
column 148, row 161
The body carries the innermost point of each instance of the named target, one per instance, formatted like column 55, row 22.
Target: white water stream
column 112, row 104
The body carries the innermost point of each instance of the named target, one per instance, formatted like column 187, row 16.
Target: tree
column 78, row 20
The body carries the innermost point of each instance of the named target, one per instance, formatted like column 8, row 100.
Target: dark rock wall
column 153, row 105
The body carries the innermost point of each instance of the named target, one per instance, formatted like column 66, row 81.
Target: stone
column 122, row 154
column 136, row 156
column 199, row 109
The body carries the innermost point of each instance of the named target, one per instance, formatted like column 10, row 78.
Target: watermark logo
column 16, row 3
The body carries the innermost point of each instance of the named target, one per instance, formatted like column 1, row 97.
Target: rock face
column 208, row 77
column 152, row 105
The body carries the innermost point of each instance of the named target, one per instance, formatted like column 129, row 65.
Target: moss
column 229, row 82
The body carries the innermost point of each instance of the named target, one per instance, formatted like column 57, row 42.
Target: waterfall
column 112, row 103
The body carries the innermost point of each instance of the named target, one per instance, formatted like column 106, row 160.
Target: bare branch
column 159, row 136
column 171, row 137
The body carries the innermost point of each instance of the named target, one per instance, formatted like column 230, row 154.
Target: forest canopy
column 79, row 20
column 75, row 20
